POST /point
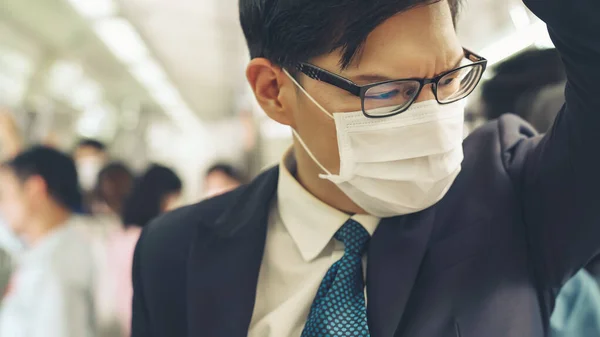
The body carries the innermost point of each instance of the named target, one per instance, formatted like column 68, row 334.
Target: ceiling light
column 166, row 95
column 149, row 73
column 62, row 77
column 127, row 45
column 95, row 8
column 186, row 119
column 173, row 105
column 15, row 71
column 122, row 39
column 85, row 94
column 98, row 121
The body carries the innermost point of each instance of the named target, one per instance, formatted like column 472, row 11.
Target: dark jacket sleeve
column 558, row 176
column 140, row 322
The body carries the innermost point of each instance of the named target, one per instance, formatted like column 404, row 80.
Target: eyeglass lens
column 389, row 98
column 458, row 84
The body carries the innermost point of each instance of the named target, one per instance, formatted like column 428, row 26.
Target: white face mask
column 397, row 165
column 87, row 171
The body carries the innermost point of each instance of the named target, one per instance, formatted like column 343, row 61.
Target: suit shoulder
column 508, row 139
column 507, row 131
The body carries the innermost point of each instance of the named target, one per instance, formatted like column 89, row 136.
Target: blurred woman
column 156, row 191
column 221, row 178
column 113, row 186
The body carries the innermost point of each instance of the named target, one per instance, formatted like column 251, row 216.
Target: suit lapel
column 395, row 254
column 223, row 267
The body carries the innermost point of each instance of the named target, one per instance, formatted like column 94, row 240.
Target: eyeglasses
column 389, row 98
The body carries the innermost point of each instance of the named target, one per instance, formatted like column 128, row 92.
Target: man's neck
column 307, row 174
column 46, row 222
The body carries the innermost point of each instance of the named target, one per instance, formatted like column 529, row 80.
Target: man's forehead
column 423, row 36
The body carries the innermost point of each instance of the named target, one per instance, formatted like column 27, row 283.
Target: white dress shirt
column 299, row 251
column 51, row 292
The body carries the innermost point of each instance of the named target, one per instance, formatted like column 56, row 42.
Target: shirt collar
column 310, row 222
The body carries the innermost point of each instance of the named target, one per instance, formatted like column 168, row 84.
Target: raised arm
column 558, row 177
column 10, row 137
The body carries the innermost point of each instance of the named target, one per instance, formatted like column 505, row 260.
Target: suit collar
column 394, row 259
column 224, row 263
column 253, row 203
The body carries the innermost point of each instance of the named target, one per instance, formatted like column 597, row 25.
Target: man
column 51, row 291
column 373, row 94
column 90, row 157
column 221, row 178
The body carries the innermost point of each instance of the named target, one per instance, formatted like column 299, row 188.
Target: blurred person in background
column 157, row 191
column 531, row 85
column 221, row 178
column 51, row 293
column 90, row 157
column 10, row 245
column 10, row 136
column 380, row 195
column 113, row 186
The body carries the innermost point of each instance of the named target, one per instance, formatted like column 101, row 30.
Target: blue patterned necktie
column 339, row 309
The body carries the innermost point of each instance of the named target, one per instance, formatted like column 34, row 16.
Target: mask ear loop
column 307, row 95
column 310, row 154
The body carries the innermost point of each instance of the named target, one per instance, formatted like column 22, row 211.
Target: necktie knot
column 354, row 237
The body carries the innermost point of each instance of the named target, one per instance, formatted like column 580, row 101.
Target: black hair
column 114, row 185
column 87, row 142
column 290, row 31
column 521, row 76
column 145, row 201
column 55, row 168
column 228, row 170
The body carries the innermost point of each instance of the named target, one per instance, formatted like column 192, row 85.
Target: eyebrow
column 370, row 78
column 375, row 78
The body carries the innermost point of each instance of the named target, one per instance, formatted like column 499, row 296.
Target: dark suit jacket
column 487, row 260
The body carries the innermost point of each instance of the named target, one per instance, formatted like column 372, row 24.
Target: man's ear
column 266, row 80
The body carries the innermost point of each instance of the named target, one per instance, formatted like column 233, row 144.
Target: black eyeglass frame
column 320, row 74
